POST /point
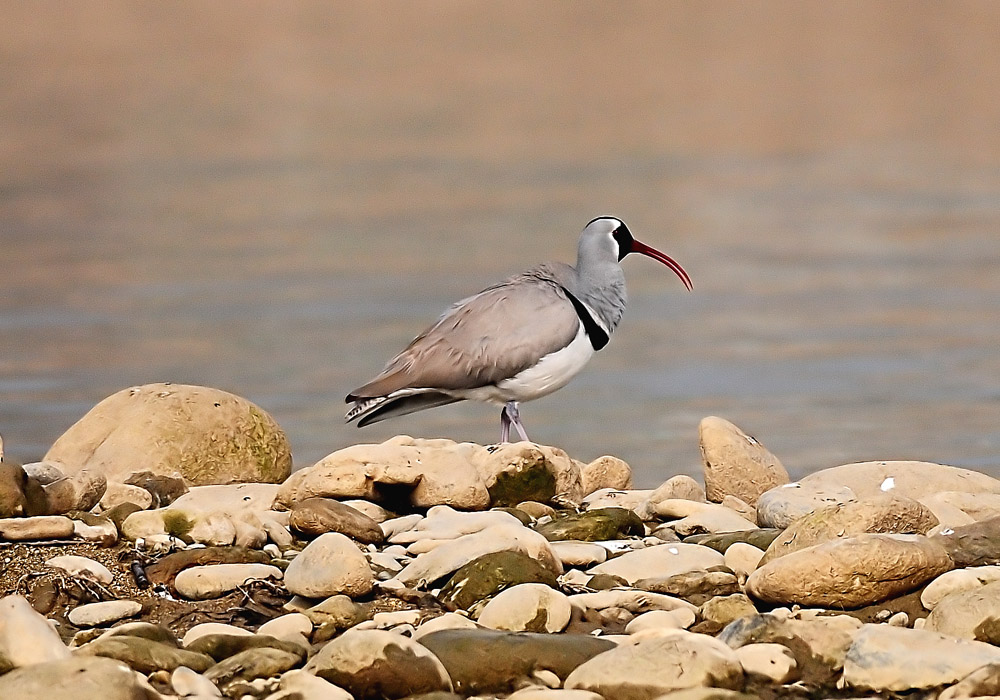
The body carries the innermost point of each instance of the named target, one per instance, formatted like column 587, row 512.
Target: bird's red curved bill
column 653, row 253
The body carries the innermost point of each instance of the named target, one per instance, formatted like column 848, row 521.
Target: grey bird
column 516, row 341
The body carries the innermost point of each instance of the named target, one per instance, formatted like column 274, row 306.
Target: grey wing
column 484, row 339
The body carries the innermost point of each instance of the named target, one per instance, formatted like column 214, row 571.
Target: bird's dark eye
column 623, row 237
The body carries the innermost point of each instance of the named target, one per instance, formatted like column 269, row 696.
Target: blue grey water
column 276, row 203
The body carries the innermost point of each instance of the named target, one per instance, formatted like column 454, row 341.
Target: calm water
column 273, row 199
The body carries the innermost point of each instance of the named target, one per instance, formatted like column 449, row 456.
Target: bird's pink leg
column 511, row 415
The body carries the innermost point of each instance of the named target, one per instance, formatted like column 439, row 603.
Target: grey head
column 599, row 281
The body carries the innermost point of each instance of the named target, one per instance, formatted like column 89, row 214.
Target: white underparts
column 550, row 373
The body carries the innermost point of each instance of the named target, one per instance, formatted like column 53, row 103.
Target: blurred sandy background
column 273, row 197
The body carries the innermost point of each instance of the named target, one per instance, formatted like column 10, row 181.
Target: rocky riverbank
column 432, row 569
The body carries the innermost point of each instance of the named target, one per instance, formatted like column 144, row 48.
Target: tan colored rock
column 659, row 665
column 680, row 486
column 911, row 479
column 77, row 678
column 773, row 663
column 743, row 559
column 606, row 472
column 359, row 660
column 78, row 491
column 724, row 609
column 39, row 527
column 885, row 512
column 118, row 493
column 783, row 505
column 977, row 506
column 435, row 472
column 851, row 572
column 898, row 659
column 26, row 638
column 957, row 580
column 215, row 580
column 660, row 561
column 314, row 516
column 329, row 565
column 968, row 614
column 736, row 463
column 527, row 607
column 206, row 435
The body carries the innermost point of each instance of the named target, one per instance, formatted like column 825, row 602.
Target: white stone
column 302, row 685
column 771, row 662
column 574, row 553
column 290, row 626
column 681, row 618
column 206, row 628
column 26, row 638
column 634, row 600
column 742, row 558
column 81, row 567
column 448, row 621
column 440, row 562
column 329, row 565
column 187, row 683
column 661, row 561
column 444, row 524
column 957, row 580
column 95, row 614
column 527, row 607
column 215, row 580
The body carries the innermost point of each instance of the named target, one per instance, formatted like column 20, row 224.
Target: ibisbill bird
column 516, row 341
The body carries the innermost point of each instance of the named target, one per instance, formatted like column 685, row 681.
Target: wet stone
column 593, row 525
column 491, row 573
column 312, row 517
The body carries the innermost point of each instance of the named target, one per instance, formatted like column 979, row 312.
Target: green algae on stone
column 491, row 573
column 760, row 538
column 595, row 525
column 524, row 481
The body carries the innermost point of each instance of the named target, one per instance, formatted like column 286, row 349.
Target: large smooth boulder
column 850, row 572
column 207, row 435
column 736, row 464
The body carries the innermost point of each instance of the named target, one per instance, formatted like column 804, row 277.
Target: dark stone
column 222, row 646
column 593, row 525
column 696, row 587
column 164, row 570
column 721, row 541
column 312, row 517
column 975, row 544
column 488, row 661
column 121, row 511
column 604, row 582
column 490, row 574
column 145, row 655
column 259, row 662
column 523, row 481
column 12, row 482
column 525, row 519
column 164, row 489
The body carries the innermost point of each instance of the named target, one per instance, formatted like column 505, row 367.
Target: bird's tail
column 368, row 410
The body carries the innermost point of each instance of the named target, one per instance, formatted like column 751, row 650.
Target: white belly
column 550, row 373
